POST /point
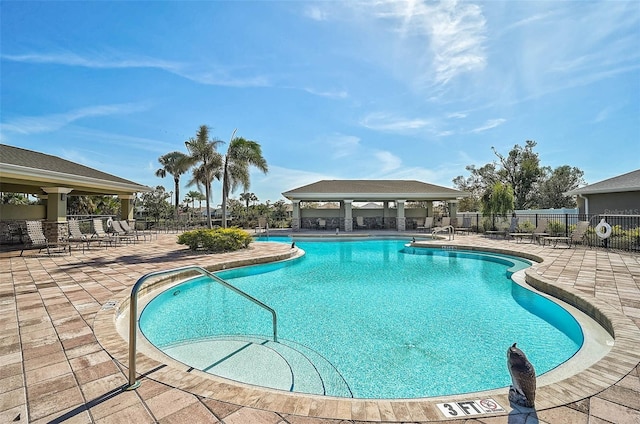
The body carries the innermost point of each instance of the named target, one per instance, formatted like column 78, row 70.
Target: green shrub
column 555, row 227
column 217, row 240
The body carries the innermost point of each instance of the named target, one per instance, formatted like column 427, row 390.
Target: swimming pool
column 370, row 318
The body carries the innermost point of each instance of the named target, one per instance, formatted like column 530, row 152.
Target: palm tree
column 240, row 155
column 176, row 164
column 248, row 197
column 203, row 152
column 192, row 196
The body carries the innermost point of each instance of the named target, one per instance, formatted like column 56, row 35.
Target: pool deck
column 62, row 361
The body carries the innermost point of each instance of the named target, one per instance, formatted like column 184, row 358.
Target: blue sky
column 331, row 90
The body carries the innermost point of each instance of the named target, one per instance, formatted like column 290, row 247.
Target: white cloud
column 454, row 31
column 53, row 122
column 231, row 76
column 315, row 13
column 491, row 123
column 333, row 94
column 343, row 145
column 391, row 123
column 387, row 161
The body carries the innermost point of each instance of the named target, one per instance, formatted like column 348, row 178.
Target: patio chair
column 78, row 237
column 538, row 232
column 466, row 225
column 427, row 225
column 513, row 226
column 263, row 225
column 99, row 232
column 120, row 232
column 321, row 223
column 577, row 235
column 37, row 240
column 445, row 226
column 360, row 222
column 132, row 230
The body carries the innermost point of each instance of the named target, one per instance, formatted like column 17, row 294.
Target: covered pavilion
column 348, row 192
column 53, row 179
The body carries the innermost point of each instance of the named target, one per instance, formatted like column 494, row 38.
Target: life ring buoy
column 603, row 229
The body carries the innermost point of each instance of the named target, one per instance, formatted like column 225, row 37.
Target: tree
column 107, row 205
column 176, row 164
column 80, row 205
column 499, row 200
column 248, row 197
column 241, row 154
column 209, row 164
column 192, row 196
column 557, row 182
column 476, row 184
column 155, row 203
column 521, row 170
column 533, row 185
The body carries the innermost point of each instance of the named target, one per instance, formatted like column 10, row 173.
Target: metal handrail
column 133, row 312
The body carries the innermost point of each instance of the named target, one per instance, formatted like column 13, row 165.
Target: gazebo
column 54, row 179
column 348, row 192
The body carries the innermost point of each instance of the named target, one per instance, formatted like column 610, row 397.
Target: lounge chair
column 37, row 240
column 321, row 223
column 263, row 225
column 132, row 230
column 98, row 230
column 445, row 226
column 427, row 225
column 78, row 237
column 120, row 232
column 513, row 226
column 540, row 231
column 576, row 236
column 360, row 222
column 466, row 225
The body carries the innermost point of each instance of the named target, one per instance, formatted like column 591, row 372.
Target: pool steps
column 283, row 365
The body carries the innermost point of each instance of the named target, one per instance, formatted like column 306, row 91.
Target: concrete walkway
column 62, row 361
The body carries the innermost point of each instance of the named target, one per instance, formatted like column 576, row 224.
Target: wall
column 22, row 212
column 626, row 203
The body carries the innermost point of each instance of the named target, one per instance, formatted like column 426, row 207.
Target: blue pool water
column 388, row 321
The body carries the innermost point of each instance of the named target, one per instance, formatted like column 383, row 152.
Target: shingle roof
column 31, row 159
column 625, row 182
column 373, row 190
column 27, row 163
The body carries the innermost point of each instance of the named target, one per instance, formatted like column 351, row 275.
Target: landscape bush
column 216, row 240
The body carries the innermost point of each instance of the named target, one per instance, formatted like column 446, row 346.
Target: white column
column 295, row 219
column 400, row 219
column 348, row 217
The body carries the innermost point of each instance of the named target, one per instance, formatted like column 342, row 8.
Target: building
column 386, row 192
column 53, row 179
column 615, row 196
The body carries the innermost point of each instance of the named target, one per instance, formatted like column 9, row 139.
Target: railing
column 625, row 234
column 133, row 311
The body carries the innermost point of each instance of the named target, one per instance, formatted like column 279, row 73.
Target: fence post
column 566, row 225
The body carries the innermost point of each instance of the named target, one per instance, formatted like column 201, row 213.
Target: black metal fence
column 621, row 232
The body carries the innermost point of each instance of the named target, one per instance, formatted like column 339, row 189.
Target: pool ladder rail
column 133, row 312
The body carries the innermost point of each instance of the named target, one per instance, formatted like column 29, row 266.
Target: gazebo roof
column 27, row 171
column 373, row 190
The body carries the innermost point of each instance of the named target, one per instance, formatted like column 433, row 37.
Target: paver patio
column 59, row 364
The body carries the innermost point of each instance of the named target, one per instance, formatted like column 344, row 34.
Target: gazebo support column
column 55, row 227
column 400, row 219
column 348, row 216
column 295, row 219
column 126, row 207
column 453, row 210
